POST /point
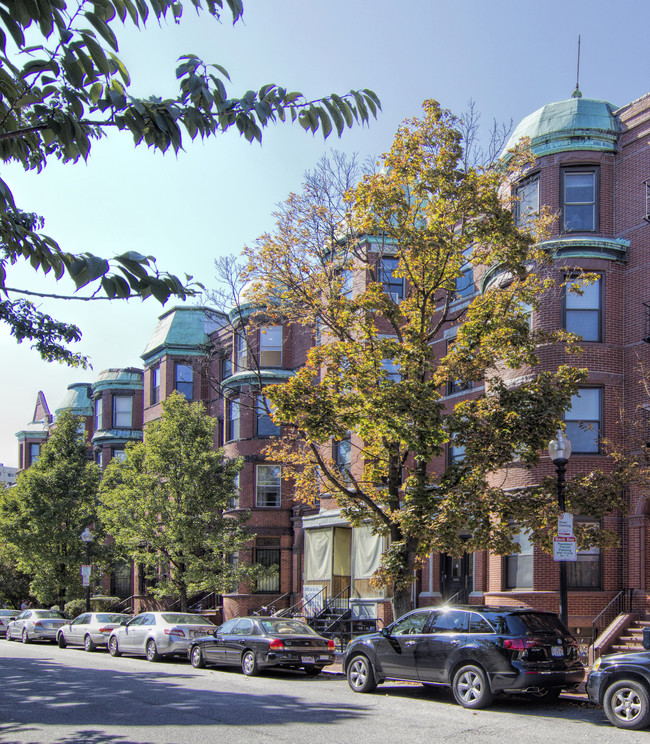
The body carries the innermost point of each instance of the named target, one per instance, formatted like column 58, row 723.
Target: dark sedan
column 257, row 643
column 621, row 684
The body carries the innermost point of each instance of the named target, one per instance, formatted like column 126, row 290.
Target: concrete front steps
column 631, row 639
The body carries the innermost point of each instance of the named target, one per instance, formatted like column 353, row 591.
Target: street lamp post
column 559, row 450
column 87, row 537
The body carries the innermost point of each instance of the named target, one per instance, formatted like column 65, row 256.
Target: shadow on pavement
column 38, row 692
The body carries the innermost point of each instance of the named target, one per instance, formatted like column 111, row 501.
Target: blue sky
column 509, row 56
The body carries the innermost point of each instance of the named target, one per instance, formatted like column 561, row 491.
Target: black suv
column 621, row 684
column 479, row 651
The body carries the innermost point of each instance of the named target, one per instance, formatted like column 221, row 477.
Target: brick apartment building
column 593, row 169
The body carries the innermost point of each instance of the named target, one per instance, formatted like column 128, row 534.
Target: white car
column 35, row 625
column 157, row 634
column 90, row 630
column 5, row 617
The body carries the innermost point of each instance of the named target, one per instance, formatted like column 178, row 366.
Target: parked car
column 5, row 617
column 256, row 643
column 621, row 684
column 90, row 630
column 478, row 651
column 35, row 625
column 157, row 634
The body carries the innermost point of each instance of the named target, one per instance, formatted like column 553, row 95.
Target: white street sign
column 564, row 548
column 565, row 524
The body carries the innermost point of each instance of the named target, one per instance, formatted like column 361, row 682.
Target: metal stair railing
column 124, row 605
column 299, row 607
column 270, row 609
column 206, row 601
column 622, row 603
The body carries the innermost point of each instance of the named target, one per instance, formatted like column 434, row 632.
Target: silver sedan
column 35, row 625
column 90, row 630
column 157, row 634
column 6, row 616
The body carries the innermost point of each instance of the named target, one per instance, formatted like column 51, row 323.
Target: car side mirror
column 385, row 632
column 215, row 633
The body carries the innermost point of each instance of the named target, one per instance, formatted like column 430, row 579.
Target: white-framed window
column 232, row 420
column 34, row 453
column 393, row 286
column 583, row 312
column 527, row 201
column 519, row 566
column 119, row 454
column 583, row 420
column 184, row 379
column 155, row 385
column 240, row 350
column 99, row 409
column 580, row 199
column 122, row 411
column 271, row 346
column 268, row 480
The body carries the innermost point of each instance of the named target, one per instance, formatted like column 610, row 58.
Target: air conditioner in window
column 396, row 297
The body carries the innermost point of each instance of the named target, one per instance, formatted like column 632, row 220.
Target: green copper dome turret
column 575, row 124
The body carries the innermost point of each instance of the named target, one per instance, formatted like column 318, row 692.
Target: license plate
column 557, row 651
column 308, row 659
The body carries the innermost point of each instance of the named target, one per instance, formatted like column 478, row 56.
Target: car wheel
column 113, row 648
column 61, row 641
column 471, row 687
column 152, row 651
column 627, row 704
column 196, row 658
column 25, row 636
column 312, row 671
column 249, row 664
column 89, row 644
column 361, row 677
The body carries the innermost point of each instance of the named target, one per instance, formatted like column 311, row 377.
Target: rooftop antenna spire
column 577, row 93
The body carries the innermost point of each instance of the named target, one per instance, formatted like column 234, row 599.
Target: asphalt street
column 67, row 696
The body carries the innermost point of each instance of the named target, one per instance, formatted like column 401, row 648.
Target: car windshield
column 180, row 619
column 50, row 614
column 532, row 623
column 111, row 617
column 286, row 627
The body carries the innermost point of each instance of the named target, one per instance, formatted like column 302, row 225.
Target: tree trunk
column 401, row 602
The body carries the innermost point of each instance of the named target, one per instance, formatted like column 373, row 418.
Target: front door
column 456, row 581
